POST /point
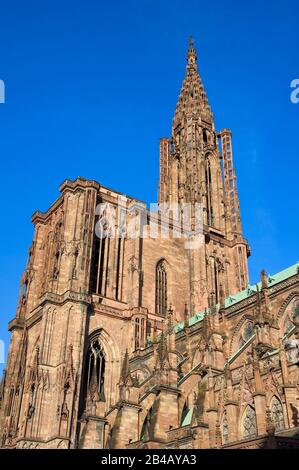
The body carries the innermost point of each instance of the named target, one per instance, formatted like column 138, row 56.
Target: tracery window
column 249, row 422
column 246, row 333
column 277, row 414
column 95, row 371
column 161, row 288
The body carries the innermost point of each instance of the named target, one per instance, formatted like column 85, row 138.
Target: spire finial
column 192, row 56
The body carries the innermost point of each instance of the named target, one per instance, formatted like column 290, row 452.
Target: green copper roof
column 187, row 418
column 192, row 321
column 251, row 289
column 272, row 280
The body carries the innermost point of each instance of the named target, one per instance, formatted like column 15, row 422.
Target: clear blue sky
column 91, row 86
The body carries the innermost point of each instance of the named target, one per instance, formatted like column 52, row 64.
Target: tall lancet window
column 249, row 422
column 209, row 206
column 161, row 288
column 277, row 414
column 95, row 372
column 216, row 281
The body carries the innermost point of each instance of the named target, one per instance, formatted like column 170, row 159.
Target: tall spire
column 191, row 172
column 193, row 99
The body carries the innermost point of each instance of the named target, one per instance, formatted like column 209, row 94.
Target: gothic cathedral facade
column 139, row 341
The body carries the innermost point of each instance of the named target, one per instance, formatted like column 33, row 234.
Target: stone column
column 166, row 414
column 232, row 421
column 212, row 420
column 260, row 410
column 92, row 434
column 126, row 426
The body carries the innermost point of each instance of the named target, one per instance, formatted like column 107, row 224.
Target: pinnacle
column 192, row 55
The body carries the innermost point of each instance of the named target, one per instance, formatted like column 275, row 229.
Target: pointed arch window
column 215, row 281
column 95, row 372
column 249, row 423
column 161, row 288
column 277, row 414
column 208, row 177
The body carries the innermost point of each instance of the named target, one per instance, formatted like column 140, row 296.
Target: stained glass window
column 249, row 423
column 277, row 414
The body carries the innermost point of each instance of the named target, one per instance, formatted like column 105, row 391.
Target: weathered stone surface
column 94, row 360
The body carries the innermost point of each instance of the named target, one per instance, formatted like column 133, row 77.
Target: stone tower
column 114, row 327
column 196, row 166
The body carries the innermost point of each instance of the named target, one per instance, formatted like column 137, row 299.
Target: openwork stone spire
column 183, row 176
column 192, row 100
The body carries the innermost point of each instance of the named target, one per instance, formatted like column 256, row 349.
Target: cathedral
column 138, row 328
